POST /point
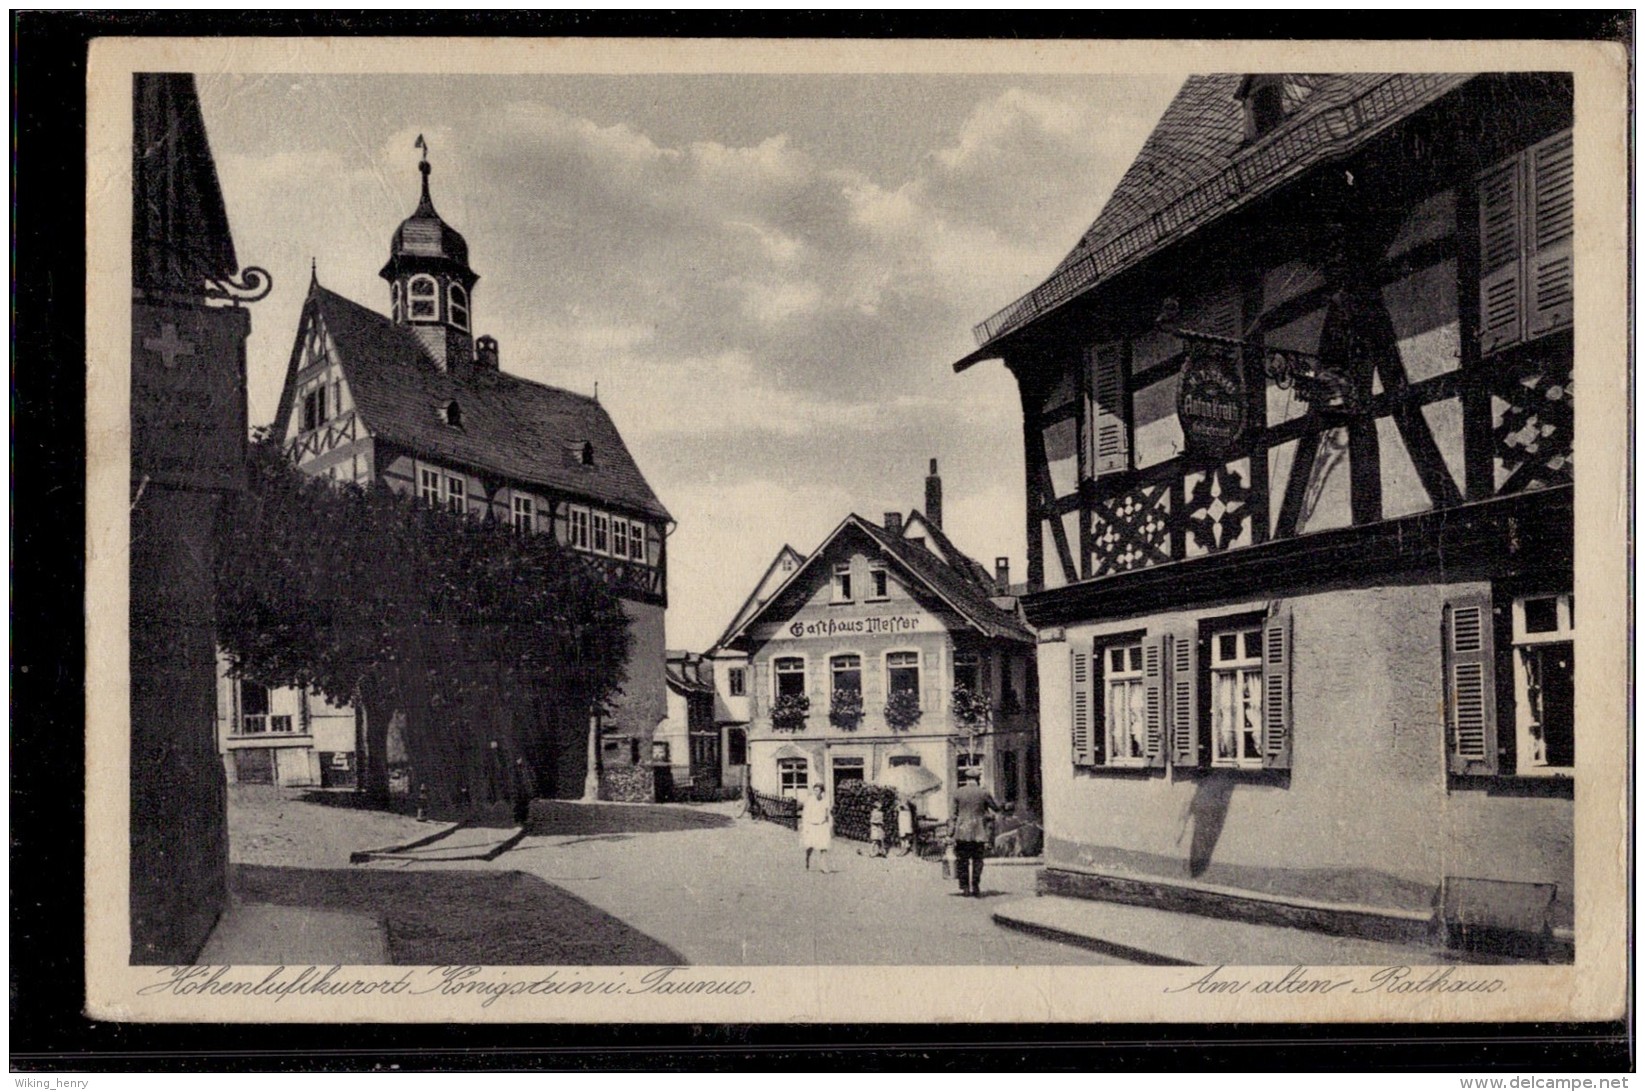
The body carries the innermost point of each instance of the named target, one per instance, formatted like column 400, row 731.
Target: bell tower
column 431, row 287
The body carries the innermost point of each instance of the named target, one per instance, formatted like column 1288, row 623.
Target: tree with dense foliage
column 471, row 632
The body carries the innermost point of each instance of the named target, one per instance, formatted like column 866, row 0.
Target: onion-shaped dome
column 424, row 235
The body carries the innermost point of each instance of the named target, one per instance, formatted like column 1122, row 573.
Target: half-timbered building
column 413, row 400
column 1297, row 415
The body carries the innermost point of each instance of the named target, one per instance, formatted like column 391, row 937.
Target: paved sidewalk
column 1141, row 934
column 726, row 891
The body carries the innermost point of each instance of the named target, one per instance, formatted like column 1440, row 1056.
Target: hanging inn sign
column 188, row 419
column 1211, row 395
column 1211, row 399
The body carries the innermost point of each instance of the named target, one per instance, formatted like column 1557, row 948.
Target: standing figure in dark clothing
column 973, row 809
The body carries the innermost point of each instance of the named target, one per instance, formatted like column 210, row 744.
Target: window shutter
column 1154, row 655
column 1110, row 443
column 1548, row 294
column 1184, row 707
column 1500, row 251
column 1080, row 706
column 1470, row 685
column 1276, row 692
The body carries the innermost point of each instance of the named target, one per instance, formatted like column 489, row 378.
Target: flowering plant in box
column 845, row 710
column 789, row 712
column 970, row 707
column 902, row 709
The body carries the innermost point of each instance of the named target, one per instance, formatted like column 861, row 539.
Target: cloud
column 770, row 324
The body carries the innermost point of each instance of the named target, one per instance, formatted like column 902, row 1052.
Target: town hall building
column 414, row 400
column 1298, row 418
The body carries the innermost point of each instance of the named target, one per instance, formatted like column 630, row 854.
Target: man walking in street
column 973, row 809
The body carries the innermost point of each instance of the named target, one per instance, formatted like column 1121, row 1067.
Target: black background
column 48, row 1033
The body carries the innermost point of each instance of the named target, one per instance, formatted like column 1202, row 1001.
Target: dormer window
column 424, row 294
column 1264, row 98
column 394, row 296
column 457, row 306
column 453, row 415
column 585, row 454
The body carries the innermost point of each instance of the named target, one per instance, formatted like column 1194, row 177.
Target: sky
column 767, row 277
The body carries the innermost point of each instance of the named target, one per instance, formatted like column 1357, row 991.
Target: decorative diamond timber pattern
column 1131, row 530
column 1533, row 429
column 1216, row 511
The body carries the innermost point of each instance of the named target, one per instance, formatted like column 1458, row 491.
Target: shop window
column 792, row 780
column 602, row 532
column 788, row 673
column 736, row 681
column 902, row 672
column 522, row 513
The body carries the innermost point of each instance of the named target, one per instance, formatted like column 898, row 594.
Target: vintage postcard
column 742, row 531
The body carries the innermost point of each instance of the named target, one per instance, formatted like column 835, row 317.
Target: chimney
column 1002, row 573
column 933, row 497
column 485, row 354
column 893, row 522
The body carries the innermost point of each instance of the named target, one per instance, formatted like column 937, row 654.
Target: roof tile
column 514, row 427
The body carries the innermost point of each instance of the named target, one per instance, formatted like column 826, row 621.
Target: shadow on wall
column 1207, row 811
column 462, row 918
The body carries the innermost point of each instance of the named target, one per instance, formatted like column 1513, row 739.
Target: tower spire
column 427, row 204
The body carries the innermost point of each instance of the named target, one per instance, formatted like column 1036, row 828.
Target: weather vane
column 423, row 144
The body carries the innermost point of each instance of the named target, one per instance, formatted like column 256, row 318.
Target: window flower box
column 788, row 712
column 970, row 708
column 902, row 709
column 845, row 709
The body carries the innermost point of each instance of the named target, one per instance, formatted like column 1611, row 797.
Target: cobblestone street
column 627, row 883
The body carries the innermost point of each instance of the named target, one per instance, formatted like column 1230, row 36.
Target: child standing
column 876, row 829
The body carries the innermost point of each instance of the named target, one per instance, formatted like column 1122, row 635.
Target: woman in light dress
column 817, row 828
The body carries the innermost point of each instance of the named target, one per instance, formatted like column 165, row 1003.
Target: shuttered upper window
column 1110, row 429
column 1526, row 206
